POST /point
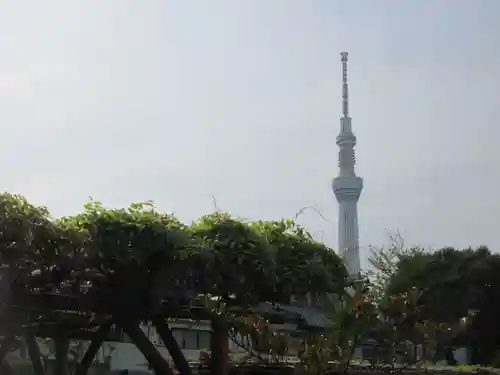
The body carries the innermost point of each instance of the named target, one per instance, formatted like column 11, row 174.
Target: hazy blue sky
column 176, row 100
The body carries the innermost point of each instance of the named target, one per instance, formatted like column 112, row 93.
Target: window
column 177, row 333
column 192, row 339
column 204, row 339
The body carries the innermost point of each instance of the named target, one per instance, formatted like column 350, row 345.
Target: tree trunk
column 6, row 346
column 34, row 353
column 62, row 347
column 97, row 339
column 219, row 346
column 155, row 359
column 171, row 344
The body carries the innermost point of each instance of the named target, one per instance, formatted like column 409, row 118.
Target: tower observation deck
column 347, row 186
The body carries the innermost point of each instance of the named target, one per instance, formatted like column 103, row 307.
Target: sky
column 181, row 100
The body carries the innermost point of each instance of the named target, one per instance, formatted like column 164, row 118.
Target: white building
column 122, row 354
column 193, row 338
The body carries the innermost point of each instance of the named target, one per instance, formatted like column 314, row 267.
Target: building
column 347, row 186
column 194, row 337
column 119, row 353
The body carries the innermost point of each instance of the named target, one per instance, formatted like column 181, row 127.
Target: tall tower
column 347, row 186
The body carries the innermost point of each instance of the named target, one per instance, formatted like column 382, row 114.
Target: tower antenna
column 345, row 90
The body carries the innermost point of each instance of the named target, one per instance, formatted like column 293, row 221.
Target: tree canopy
column 456, row 286
column 136, row 264
column 101, row 269
column 217, row 254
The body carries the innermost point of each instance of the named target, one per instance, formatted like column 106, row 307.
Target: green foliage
column 303, row 265
column 135, row 258
column 457, row 289
column 384, row 263
column 266, row 261
column 236, row 263
column 138, row 241
column 352, row 320
column 28, row 237
column 240, row 262
column 254, row 334
column 135, row 263
column 138, row 234
column 396, row 331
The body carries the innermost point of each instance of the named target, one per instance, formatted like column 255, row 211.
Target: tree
column 384, row 263
column 455, row 285
column 303, row 265
column 352, row 321
column 151, row 246
column 395, row 332
column 390, row 327
column 236, row 267
column 26, row 232
column 77, row 352
column 397, row 271
column 31, row 246
column 84, row 262
column 260, row 262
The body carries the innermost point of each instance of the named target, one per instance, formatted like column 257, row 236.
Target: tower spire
column 345, row 90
